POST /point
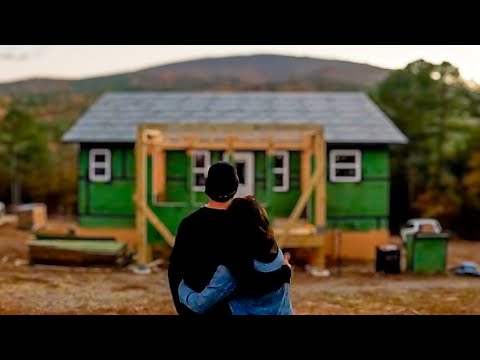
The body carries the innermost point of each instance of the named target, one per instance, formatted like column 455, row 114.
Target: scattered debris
column 468, row 268
column 73, row 268
column 451, row 298
column 73, row 290
column 405, row 310
column 20, row 262
column 140, row 269
column 99, row 270
column 155, row 263
column 317, row 272
column 53, row 267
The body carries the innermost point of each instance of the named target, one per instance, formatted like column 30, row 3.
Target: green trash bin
column 427, row 253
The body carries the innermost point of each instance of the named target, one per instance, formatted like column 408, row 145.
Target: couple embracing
column 225, row 260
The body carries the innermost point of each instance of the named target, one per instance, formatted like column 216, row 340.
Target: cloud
column 20, row 52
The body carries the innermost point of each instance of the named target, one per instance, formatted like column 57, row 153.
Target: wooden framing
column 140, row 195
column 320, row 201
column 156, row 139
column 301, row 203
column 159, row 173
column 305, row 168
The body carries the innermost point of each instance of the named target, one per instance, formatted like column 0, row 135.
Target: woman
column 253, row 231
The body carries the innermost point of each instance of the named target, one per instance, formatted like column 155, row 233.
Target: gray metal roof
column 348, row 117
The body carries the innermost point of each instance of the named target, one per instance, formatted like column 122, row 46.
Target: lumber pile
column 78, row 253
column 31, row 216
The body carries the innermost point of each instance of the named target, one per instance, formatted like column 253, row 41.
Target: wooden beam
column 238, row 145
column 232, row 137
column 157, row 224
column 270, row 146
column 230, row 147
column 320, row 200
column 189, row 141
column 140, row 195
column 149, row 133
column 248, row 127
column 159, row 174
column 318, row 254
column 162, row 174
column 305, row 168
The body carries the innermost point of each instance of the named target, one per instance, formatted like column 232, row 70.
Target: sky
column 18, row 62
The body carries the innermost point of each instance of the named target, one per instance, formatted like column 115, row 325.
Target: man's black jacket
column 205, row 239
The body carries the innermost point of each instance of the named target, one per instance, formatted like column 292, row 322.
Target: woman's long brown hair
column 253, row 226
column 255, row 214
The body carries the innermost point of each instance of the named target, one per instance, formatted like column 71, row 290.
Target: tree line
column 438, row 173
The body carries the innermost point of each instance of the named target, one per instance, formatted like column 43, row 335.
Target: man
column 202, row 244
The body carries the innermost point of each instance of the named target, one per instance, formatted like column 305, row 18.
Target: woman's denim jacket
column 223, row 284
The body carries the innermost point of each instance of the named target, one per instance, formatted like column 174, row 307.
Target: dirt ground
column 26, row 289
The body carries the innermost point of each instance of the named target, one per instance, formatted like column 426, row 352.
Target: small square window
column 200, row 165
column 345, row 166
column 281, row 171
column 99, row 165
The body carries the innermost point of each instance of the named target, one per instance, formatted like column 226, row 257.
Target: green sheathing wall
column 261, row 178
column 281, row 204
column 365, row 205
column 107, row 204
column 359, row 206
column 112, row 199
column 90, row 221
column 130, row 163
column 177, row 184
column 111, row 205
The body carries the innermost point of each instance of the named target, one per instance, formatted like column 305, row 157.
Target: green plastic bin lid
column 432, row 236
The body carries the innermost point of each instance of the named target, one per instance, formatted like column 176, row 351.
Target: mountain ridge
column 242, row 72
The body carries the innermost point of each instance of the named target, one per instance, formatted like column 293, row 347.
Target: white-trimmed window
column 100, row 165
column 200, row 166
column 281, row 171
column 345, row 166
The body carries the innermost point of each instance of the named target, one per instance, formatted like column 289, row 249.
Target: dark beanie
column 222, row 182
